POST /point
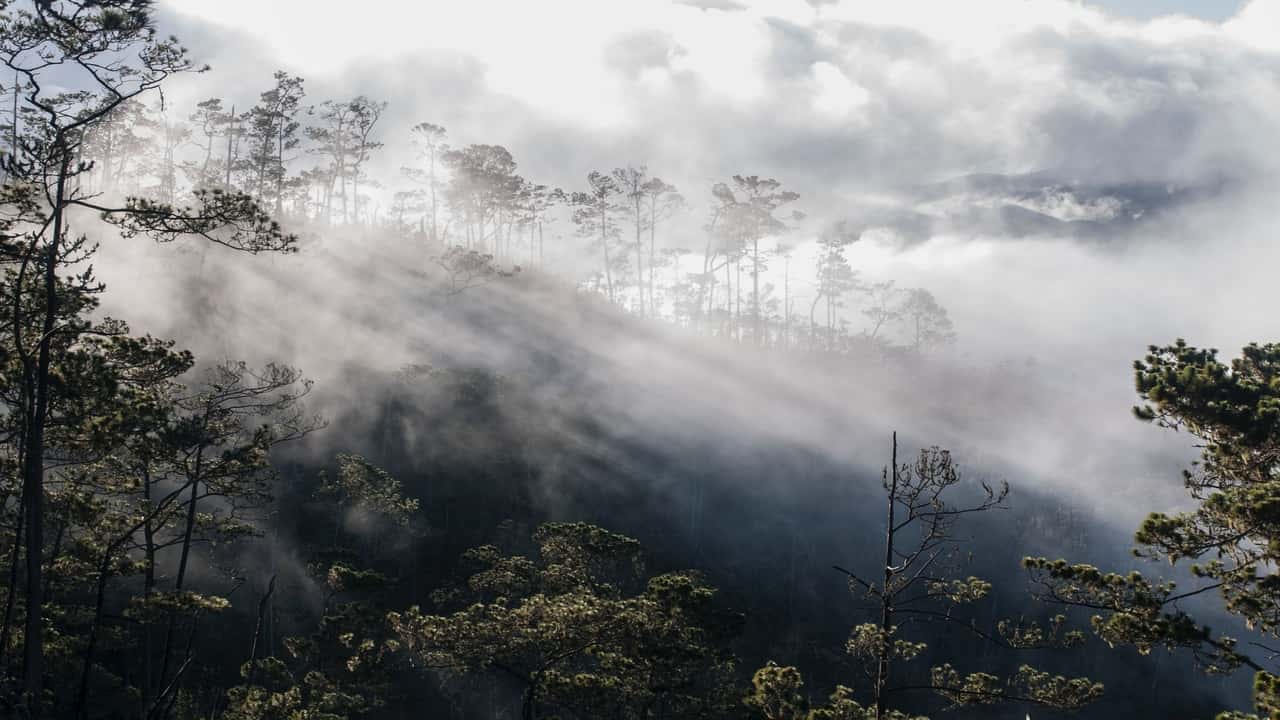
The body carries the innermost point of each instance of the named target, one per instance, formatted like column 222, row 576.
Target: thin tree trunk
column 755, row 290
column 53, row 554
column 12, row 593
column 653, row 243
column 639, row 255
column 182, row 567
column 435, row 232
column 604, row 242
column 231, row 133
column 108, row 159
column 257, row 629
column 786, row 301
column 25, row 402
column 148, row 588
column 13, row 139
column 342, row 172
column 280, row 170
column 886, row 594
column 33, row 456
column 529, row 708
column 328, row 199
column 82, row 696
column 209, row 134
column 728, row 296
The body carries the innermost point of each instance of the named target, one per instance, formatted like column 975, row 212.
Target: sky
column 1212, row 10
column 849, row 91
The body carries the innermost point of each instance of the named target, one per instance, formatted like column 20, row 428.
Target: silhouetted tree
column 926, row 321
column 835, row 277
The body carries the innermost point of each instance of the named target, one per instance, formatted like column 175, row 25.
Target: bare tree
column 919, row 582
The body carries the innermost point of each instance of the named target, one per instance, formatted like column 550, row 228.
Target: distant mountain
column 1039, row 204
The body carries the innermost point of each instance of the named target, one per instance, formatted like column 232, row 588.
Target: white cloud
column 982, row 80
column 1257, row 25
column 837, row 97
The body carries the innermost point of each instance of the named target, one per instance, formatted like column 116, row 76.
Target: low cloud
column 1071, row 185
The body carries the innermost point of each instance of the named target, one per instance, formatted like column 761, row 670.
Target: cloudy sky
column 852, row 93
column 845, row 101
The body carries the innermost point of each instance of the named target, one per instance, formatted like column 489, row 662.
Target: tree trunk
column 12, row 593
column 108, row 159
column 604, row 243
column 257, row 629
column 208, row 154
column 342, row 173
column 231, row 133
column 886, row 595
column 786, row 301
column 728, row 296
column 25, row 402
column 13, row 138
column 435, row 232
column 148, row 588
column 33, row 456
column 639, row 256
column 280, row 170
column 653, row 242
column 182, row 567
column 53, row 554
column 755, row 291
column 813, row 322
column 529, row 707
column 82, row 696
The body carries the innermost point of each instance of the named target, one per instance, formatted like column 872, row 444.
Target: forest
column 397, row 432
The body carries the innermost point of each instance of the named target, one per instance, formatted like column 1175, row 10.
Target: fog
column 864, row 112
column 1070, row 183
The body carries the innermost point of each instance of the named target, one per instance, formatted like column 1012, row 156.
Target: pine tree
column 272, row 129
column 1228, row 540
column 595, row 213
column 430, row 140
column 482, row 192
column 579, row 629
column 119, row 58
column 836, row 277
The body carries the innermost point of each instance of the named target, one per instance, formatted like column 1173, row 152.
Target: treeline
column 142, row 563
column 476, row 216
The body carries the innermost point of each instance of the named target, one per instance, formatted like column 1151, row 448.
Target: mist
column 1070, row 182
column 1106, row 110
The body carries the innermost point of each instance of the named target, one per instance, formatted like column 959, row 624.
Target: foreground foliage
column 1230, row 542
column 579, row 628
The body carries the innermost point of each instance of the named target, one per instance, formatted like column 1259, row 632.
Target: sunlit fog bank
column 643, row 360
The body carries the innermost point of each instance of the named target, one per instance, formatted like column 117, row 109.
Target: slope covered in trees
column 509, row 489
